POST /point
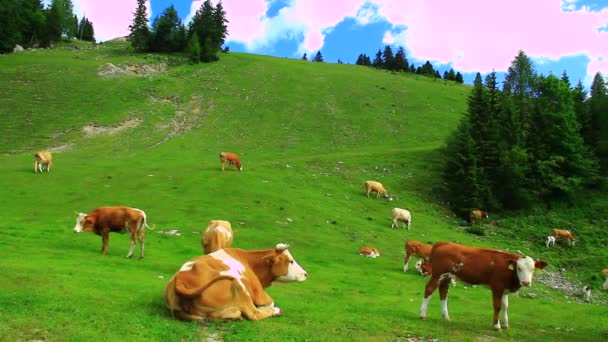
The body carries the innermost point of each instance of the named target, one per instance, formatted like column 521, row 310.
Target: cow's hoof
column 423, row 318
column 141, row 258
column 277, row 311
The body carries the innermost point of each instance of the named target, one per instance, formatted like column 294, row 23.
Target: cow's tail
column 183, row 290
column 144, row 222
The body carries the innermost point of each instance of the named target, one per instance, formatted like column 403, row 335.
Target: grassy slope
column 309, row 135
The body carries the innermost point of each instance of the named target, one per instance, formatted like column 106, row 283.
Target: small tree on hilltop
column 140, row 33
column 318, row 57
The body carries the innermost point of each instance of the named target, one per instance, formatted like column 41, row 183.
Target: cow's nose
column 525, row 282
column 306, row 275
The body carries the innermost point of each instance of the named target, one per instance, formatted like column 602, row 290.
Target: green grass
column 309, row 135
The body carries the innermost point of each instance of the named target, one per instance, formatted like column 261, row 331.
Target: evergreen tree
column 388, row 60
column 210, row 25
column 304, row 57
column 413, row 69
column 221, row 24
column 10, row 31
column 85, row 30
column 566, row 79
column 458, row 78
column 400, row 61
column 519, row 85
column 446, row 76
column 139, row 32
column 194, row 48
column 579, row 96
column 69, row 21
column 378, row 63
column 53, row 22
column 318, row 57
column 598, row 112
column 452, row 75
column 165, row 35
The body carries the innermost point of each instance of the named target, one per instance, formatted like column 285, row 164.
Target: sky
column 469, row 36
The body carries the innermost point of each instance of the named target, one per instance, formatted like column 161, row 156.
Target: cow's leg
column 505, row 306
column 497, row 302
column 105, row 237
column 430, row 287
column 395, row 223
column 408, row 224
column 248, row 307
column 36, row 167
column 140, row 238
column 133, row 236
column 444, row 286
column 406, row 262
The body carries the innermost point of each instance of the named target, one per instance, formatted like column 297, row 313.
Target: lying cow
column 476, row 216
column 218, row 235
column 104, row 220
column 563, row 234
column 416, row 248
column 43, row 159
column 605, row 286
column 502, row 272
column 231, row 159
column 377, row 187
column 402, row 215
column 371, row 252
column 229, row 284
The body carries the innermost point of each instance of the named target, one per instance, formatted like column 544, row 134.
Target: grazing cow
column 420, row 249
column 476, row 216
column 605, row 286
column 502, row 272
column 104, row 220
column 371, row 252
column 229, row 284
column 563, row 234
column 218, row 235
column 587, row 292
column 231, row 159
column 424, row 267
column 402, row 215
column 550, row 241
column 377, row 187
column 43, row 159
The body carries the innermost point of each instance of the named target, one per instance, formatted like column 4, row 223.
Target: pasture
column 309, row 135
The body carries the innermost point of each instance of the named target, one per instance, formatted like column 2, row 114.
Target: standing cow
column 104, row 220
column 231, row 159
column 377, row 187
column 230, row 284
column 43, row 159
column 402, row 215
column 563, row 234
column 218, row 235
column 502, row 272
column 476, row 216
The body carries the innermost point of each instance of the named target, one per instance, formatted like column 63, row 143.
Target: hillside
column 309, row 135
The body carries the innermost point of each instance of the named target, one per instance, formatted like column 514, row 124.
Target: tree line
column 29, row 24
column 387, row 60
column 201, row 40
column 535, row 141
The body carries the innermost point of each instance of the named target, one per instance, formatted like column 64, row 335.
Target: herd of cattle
column 230, row 283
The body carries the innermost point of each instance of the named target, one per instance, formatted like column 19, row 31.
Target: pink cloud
column 110, row 18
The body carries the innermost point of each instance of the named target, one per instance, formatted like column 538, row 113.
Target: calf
column 424, row 267
column 563, row 234
column 218, row 235
column 377, row 187
column 502, row 272
column 420, row 249
column 402, row 215
column 605, row 286
column 43, row 159
column 230, row 284
column 104, row 220
column 550, row 241
column 476, row 216
column 587, row 292
column 371, row 252
column 231, row 159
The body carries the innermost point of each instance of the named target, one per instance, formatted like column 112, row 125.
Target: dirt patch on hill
column 94, row 130
column 110, row 70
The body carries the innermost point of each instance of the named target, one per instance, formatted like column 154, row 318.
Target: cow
column 371, row 252
column 116, row 219
column 605, row 286
column 230, row 284
column 563, row 234
column 402, row 215
column 475, row 216
column 424, row 267
column 502, row 272
column 231, row 159
column 43, row 159
column 420, row 249
column 550, row 241
column 587, row 292
column 218, row 235
column 377, row 187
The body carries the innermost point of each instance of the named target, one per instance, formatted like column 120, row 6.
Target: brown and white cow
column 117, row 219
column 502, row 272
column 563, row 234
column 218, row 235
column 424, row 267
column 377, row 187
column 417, row 248
column 230, row 284
column 475, row 216
column 371, row 252
column 402, row 215
column 231, row 159
column 43, row 159
column 605, row 272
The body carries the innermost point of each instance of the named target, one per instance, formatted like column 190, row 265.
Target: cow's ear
column 512, row 264
column 539, row 265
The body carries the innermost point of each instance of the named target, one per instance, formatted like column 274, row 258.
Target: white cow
column 402, row 215
column 550, row 241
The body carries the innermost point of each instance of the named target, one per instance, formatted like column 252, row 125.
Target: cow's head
column 424, row 267
column 525, row 268
column 284, row 267
column 84, row 223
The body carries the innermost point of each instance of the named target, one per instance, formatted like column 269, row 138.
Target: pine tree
column 598, row 110
column 318, row 57
column 579, row 96
column 165, row 32
column 458, row 78
column 69, row 21
column 378, row 62
column 139, row 32
column 221, row 24
column 400, row 61
column 210, row 25
column 53, row 22
column 388, row 60
column 304, row 57
column 194, row 48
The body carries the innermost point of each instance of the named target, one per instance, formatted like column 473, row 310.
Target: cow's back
column 115, row 217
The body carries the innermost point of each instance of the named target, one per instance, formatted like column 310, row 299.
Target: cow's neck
column 260, row 266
